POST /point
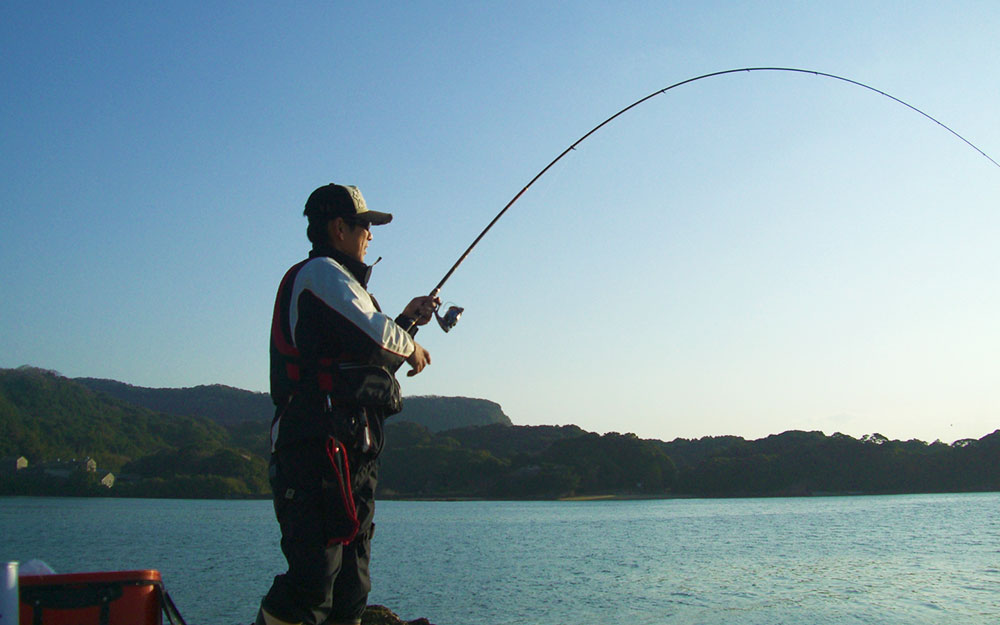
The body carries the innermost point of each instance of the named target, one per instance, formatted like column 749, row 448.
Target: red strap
column 324, row 377
column 335, row 450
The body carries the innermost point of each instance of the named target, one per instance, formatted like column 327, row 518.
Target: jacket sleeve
column 330, row 310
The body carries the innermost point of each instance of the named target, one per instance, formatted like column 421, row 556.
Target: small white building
column 13, row 464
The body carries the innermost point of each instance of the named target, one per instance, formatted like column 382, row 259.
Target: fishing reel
column 450, row 318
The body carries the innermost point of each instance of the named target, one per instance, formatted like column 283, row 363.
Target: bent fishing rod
column 451, row 317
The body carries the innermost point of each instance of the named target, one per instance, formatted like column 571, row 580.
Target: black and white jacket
column 324, row 316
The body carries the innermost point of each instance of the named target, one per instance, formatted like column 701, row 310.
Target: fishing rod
column 451, row 317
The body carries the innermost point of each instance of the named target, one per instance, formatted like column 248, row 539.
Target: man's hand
column 421, row 308
column 419, row 359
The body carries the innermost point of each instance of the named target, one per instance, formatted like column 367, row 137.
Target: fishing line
column 454, row 312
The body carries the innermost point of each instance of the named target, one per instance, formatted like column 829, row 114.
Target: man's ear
column 334, row 230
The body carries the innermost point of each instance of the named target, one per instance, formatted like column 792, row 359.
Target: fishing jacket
column 325, row 323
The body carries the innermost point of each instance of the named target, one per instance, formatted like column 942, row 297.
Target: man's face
column 350, row 237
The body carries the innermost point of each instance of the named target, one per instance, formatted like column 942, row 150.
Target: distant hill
column 232, row 407
column 224, row 405
column 45, row 416
column 448, row 413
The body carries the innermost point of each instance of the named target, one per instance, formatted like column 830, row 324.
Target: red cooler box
column 108, row 598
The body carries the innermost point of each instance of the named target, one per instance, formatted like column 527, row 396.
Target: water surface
column 896, row 559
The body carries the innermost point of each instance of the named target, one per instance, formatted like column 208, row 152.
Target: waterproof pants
column 326, row 582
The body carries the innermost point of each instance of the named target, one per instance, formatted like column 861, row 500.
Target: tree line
column 44, row 416
column 550, row 462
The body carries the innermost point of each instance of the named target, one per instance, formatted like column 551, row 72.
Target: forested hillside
column 233, row 407
column 796, row 463
column 549, row 461
column 204, row 441
column 54, row 422
column 45, row 417
column 224, row 405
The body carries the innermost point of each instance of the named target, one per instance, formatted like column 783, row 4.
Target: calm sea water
column 900, row 559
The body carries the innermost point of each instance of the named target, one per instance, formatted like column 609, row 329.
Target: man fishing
column 333, row 359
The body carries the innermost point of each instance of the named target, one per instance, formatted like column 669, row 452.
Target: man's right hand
column 419, row 359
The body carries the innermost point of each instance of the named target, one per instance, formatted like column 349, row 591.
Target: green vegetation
column 798, row 463
column 212, row 448
column 50, row 420
column 243, row 411
column 224, row 405
column 548, row 462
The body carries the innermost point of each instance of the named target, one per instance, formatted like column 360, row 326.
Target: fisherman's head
column 338, row 217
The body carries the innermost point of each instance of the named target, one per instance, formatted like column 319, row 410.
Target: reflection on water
column 901, row 559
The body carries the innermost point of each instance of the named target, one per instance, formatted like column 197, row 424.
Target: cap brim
column 374, row 217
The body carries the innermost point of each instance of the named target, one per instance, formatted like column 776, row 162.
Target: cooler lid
column 147, row 576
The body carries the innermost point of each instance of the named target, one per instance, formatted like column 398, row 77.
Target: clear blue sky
column 743, row 255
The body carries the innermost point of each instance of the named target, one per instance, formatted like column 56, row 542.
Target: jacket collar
column 358, row 269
